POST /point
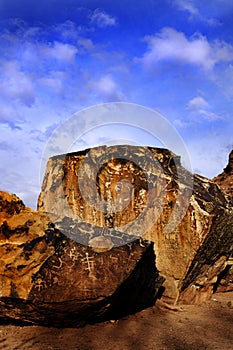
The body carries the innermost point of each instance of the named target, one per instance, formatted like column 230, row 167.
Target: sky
column 59, row 57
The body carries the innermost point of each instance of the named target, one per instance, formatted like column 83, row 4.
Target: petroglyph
column 73, row 254
column 88, row 262
column 40, row 284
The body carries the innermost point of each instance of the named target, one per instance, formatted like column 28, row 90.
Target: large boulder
column 144, row 192
column 48, row 278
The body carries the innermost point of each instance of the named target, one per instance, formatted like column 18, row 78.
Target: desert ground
column 188, row 327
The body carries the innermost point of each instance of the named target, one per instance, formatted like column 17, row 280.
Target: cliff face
column 225, row 179
column 110, row 187
column 225, row 182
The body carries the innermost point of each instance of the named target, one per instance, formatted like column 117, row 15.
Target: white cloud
column 60, row 52
column 197, row 102
column 32, row 67
column 225, row 81
column 222, row 51
column 67, row 30
column 55, row 82
column 16, row 84
column 198, row 112
column 198, row 106
column 181, row 124
column 19, row 163
column 194, row 9
column 173, row 46
column 187, row 5
column 209, row 115
column 107, row 89
column 7, row 114
column 86, row 43
column 102, row 20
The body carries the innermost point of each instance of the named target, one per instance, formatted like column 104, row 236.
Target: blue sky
column 60, row 56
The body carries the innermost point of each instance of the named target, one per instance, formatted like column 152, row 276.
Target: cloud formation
column 52, row 67
column 107, row 89
column 187, row 5
column 170, row 45
column 198, row 106
column 103, row 19
column 16, row 84
column 197, row 102
column 60, row 52
column 192, row 7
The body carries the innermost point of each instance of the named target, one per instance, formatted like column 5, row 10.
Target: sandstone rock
column 10, row 204
column 210, row 261
column 144, row 192
column 225, row 279
column 48, row 278
column 86, row 254
column 225, row 179
column 225, row 182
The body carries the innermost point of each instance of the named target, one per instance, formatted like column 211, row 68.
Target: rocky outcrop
column 145, row 192
column 225, row 182
column 210, row 263
column 47, row 278
column 88, row 253
column 225, row 279
column 225, row 179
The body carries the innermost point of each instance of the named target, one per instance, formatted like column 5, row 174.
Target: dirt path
column 209, row 326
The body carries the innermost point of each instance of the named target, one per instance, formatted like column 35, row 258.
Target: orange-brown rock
column 225, row 279
column 86, row 254
column 211, row 262
column 146, row 192
column 225, row 179
column 225, row 182
column 50, row 279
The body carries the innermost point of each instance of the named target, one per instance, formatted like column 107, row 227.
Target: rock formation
column 211, row 262
column 225, row 182
column 47, row 278
column 104, row 214
column 94, row 185
column 225, row 179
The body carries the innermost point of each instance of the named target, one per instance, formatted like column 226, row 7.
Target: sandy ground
column 209, row 326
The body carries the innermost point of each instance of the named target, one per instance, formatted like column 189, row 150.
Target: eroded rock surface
column 225, row 279
column 50, row 279
column 225, row 179
column 88, row 253
column 225, row 182
column 210, row 262
column 142, row 191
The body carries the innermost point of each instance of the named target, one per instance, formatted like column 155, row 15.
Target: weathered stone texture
column 225, row 182
column 88, row 253
column 47, row 278
column 210, row 261
column 225, row 179
column 105, row 173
